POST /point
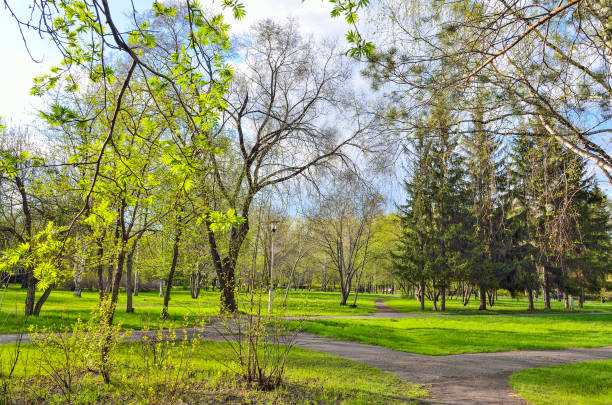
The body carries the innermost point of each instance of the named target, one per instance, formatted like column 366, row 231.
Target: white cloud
column 313, row 16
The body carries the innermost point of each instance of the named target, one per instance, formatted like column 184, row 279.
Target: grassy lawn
column 588, row 383
column 311, row 378
column 62, row 308
column 502, row 306
column 471, row 334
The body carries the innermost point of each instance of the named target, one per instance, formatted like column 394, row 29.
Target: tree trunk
column 30, row 279
column 581, row 299
column 226, row 267
column 116, row 280
column 530, row 297
column 354, row 305
column 100, row 269
column 435, row 301
column 195, row 283
column 546, row 288
column 345, row 295
column 467, row 293
column 42, row 300
column 78, row 276
column 422, row 295
column 129, row 307
column 443, row 299
column 31, row 294
column 483, row 299
column 491, row 297
column 324, row 276
column 175, row 252
column 565, row 300
column 136, row 282
column 227, row 285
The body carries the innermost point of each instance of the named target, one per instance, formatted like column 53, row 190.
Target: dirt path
column 479, row 378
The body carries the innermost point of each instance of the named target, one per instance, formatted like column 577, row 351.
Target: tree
column 590, row 259
column 430, row 249
column 483, row 169
column 342, row 221
column 29, row 205
column 283, row 100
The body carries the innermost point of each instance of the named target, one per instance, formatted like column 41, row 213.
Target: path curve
column 384, row 311
column 476, row 378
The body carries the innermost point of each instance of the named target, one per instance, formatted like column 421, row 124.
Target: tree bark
column 175, row 252
column 530, row 297
column 226, row 266
column 100, row 269
column 491, row 297
column 195, row 283
column 422, row 295
column 324, row 276
column 546, row 288
column 354, row 305
column 128, row 280
column 116, row 280
column 31, row 293
column 30, row 279
column 435, row 301
column 42, row 300
column 467, row 293
column 482, row 293
column 78, row 275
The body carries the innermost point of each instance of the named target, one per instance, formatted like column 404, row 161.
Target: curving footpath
column 475, row 378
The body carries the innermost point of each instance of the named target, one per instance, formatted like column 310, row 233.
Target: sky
column 17, row 68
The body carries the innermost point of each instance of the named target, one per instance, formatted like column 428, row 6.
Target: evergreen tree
column 430, row 252
column 484, row 168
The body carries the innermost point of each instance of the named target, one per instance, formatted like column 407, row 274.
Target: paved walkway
column 479, row 378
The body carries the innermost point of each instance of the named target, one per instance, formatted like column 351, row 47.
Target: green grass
column 471, row 334
column 588, row 383
column 311, row 377
column 62, row 308
column 504, row 305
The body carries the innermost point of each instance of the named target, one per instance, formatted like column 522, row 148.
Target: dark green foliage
column 433, row 242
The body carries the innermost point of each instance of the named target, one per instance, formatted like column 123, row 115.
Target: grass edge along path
column 503, row 305
column 470, row 334
column 588, row 383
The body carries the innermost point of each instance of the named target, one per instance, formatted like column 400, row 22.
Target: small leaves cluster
column 349, row 9
column 42, row 254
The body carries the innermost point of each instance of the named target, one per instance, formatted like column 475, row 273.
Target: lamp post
column 271, row 291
